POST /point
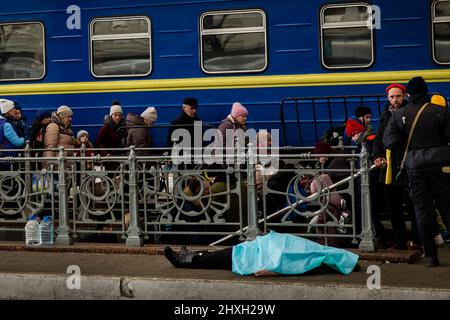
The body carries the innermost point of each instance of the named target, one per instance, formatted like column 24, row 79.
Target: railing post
column 134, row 232
column 83, row 162
column 367, row 243
column 253, row 226
column 27, row 154
column 64, row 237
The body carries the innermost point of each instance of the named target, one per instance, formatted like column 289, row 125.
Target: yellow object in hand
column 388, row 179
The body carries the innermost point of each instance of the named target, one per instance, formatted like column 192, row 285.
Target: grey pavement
column 148, row 275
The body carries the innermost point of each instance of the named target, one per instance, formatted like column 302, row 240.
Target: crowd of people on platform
column 410, row 150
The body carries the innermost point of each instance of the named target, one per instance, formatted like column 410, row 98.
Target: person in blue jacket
column 9, row 135
column 267, row 255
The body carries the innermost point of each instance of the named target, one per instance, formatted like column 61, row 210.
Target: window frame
column 125, row 36
column 44, row 52
column 336, row 25
column 433, row 22
column 203, row 32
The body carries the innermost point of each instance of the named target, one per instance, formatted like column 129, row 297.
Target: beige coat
column 54, row 138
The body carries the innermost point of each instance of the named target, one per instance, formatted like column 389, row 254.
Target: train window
column 120, row 47
column 22, row 51
column 233, row 41
column 346, row 39
column 441, row 31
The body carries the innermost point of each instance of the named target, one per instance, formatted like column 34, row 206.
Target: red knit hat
column 353, row 127
column 396, row 85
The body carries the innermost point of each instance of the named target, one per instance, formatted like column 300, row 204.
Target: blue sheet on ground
column 288, row 254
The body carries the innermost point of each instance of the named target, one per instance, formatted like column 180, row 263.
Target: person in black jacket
column 185, row 121
column 427, row 160
column 42, row 119
column 394, row 187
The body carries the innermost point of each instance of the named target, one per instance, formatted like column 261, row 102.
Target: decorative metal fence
column 137, row 199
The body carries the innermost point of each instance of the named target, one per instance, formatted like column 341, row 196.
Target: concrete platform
column 392, row 256
column 142, row 273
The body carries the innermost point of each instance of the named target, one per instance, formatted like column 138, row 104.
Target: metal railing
column 301, row 115
column 148, row 198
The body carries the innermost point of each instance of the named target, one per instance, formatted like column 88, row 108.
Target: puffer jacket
column 229, row 123
column 138, row 136
column 110, row 136
column 9, row 137
column 57, row 135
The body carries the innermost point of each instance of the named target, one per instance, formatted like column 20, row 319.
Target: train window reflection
column 233, row 41
column 120, row 47
column 346, row 39
column 22, row 51
column 442, row 9
column 441, row 31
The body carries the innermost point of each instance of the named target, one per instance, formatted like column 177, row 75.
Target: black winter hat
column 362, row 111
column 417, row 85
column 191, row 102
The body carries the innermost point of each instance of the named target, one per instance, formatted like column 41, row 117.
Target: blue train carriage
column 154, row 53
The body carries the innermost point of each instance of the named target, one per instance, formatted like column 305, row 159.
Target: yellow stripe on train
column 232, row 82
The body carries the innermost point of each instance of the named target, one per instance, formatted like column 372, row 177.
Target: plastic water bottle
column 46, row 231
column 32, row 231
column 343, row 219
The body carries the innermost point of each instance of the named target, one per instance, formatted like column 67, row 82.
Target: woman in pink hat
column 234, row 121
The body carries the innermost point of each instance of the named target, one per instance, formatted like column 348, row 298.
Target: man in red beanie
column 427, row 160
column 396, row 194
column 395, row 188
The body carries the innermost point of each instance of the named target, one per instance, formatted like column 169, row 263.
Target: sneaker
column 432, row 261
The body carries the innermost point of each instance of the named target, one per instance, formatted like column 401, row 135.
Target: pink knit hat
column 238, row 110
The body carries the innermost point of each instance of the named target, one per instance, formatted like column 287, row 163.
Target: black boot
column 432, row 261
column 180, row 260
column 185, row 250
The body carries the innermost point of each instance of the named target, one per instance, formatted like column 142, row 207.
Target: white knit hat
column 64, row 111
column 6, row 105
column 150, row 114
column 82, row 132
column 115, row 108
